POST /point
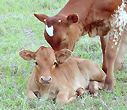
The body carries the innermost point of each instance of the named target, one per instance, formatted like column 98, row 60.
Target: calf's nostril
column 49, row 79
column 42, row 79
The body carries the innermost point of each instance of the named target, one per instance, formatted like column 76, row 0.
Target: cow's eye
column 64, row 39
column 36, row 63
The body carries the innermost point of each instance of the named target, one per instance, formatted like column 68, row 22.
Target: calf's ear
column 73, row 18
column 62, row 55
column 41, row 17
column 27, row 55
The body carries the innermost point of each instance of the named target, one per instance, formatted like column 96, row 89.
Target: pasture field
column 19, row 29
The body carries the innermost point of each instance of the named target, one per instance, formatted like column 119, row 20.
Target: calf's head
column 61, row 32
column 45, row 61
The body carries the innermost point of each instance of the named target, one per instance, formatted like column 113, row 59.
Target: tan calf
column 54, row 77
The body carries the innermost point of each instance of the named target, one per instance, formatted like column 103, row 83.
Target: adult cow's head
column 45, row 61
column 60, row 31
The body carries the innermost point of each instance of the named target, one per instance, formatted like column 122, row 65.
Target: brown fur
column 79, row 17
column 61, row 80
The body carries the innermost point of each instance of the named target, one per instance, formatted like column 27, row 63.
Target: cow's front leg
column 122, row 50
column 103, row 47
column 110, row 55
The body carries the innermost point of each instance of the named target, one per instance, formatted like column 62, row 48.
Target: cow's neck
column 90, row 15
column 77, row 6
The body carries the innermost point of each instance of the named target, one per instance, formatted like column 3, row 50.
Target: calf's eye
column 36, row 63
column 55, row 63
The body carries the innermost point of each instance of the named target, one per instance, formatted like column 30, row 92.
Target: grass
column 19, row 29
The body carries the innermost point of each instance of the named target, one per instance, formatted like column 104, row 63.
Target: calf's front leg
column 95, row 86
column 65, row 97
column 30, row 94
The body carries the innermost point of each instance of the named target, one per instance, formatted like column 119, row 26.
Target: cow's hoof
column 108, row 87
column 109, row 84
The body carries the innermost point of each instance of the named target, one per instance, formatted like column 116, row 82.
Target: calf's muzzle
column 45, row 80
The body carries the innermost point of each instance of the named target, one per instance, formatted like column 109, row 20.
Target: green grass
column 19, row 29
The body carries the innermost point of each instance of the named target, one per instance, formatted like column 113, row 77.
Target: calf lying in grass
column 59, row 75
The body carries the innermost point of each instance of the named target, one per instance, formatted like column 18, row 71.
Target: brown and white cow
column 61, row 80
column 95, row 17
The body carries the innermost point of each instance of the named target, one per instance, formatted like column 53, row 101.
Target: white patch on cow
column 114, row 40
column 49, row 30
column 44, row 19
column 59, row 21
column 119, row 21
column 115, row 43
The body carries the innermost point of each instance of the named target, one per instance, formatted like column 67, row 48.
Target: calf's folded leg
column 94, row 87
column 66, row 96
column 30, row 94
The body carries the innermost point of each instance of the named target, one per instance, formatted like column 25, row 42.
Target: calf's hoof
column 80, row 92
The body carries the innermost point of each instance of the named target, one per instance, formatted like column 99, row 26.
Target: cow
column 56, row 74
column 105, row 18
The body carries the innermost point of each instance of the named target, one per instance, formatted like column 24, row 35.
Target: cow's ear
column 62, row 55
column 73, row 18
column 41, row 17
column 27, row 55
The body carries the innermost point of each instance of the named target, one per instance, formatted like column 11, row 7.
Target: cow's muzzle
column 45, row 80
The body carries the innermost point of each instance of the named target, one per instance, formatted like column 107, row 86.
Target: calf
column 53, row 76
column 95, row 17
